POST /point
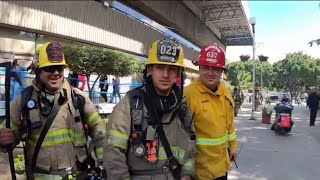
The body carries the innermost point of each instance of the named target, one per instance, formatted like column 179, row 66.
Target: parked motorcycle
column 283, row 122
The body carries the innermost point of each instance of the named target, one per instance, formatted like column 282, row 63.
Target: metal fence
column 26, row 80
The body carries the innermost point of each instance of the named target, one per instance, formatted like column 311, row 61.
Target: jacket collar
column 204, row 89
column 222, row 91
column 65, row 87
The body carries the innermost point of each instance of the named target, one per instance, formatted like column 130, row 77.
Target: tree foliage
column 292, row 74
column 88, row 60
column 240, row 73
column 295, row 72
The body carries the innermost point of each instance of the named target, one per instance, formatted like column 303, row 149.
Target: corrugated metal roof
column 229, row 18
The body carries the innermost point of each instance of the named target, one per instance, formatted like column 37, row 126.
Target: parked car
column 273, row 99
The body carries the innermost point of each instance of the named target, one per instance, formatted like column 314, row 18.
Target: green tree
column 295, row 72
column 267, row 74
column 88, row 60
column 240, row 73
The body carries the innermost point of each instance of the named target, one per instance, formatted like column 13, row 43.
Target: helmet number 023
column 168, row 50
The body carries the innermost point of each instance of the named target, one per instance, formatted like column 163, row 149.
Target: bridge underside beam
column 178, row 18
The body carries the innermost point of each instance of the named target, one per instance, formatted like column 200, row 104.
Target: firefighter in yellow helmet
column 49, row 117
column 151, row 132
column 213, row 105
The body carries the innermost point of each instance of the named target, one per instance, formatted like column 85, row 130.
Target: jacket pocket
column 205, row 104
column 77, row 133
column 36, row 122
column 78, row 138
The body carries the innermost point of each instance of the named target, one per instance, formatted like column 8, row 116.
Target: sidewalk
column 262, row 154
column 266, row 156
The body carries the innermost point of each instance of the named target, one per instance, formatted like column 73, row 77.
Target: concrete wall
column 83, row 21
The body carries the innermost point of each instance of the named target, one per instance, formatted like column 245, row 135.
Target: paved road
column 266, row 156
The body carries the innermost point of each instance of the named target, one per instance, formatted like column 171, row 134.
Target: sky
column 281, row 27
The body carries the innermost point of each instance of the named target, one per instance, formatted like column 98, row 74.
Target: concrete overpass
column 25, row 25
column 201, row 22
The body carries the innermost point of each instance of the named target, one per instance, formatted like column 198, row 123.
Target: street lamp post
column 261, row 76
column 252, row 21
column 263, row 59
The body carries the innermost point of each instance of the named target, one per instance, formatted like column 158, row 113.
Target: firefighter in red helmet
column 213, row 108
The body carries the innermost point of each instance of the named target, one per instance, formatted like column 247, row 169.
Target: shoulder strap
column 186, row 117
column 25, row 96
column 173, row 163
column 44, row 132
column 135, row 95
column 78, row 102
column 136, row 106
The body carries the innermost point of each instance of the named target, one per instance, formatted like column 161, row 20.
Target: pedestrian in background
column 73, row 79
column 16, row 85
column 104, row 86
column 116, row 90
column 82, row 82
column 313, row 104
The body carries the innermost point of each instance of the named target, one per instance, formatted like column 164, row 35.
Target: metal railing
column 24, row 75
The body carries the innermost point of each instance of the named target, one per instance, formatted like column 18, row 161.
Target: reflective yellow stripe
column 177, row 152
column 61, row 136
column 232, row 136
column 94, row 119
column 12, row 125
column 38, row 176
column 118, row 139
column 99, row 153
column 189, row 166
column 212, row 142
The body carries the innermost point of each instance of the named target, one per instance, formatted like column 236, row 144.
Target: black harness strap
column 174, row 165
column 25, row 97
column 137, row 97
column 44, row 132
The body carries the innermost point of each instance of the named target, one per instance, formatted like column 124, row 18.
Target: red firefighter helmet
column 212, row 55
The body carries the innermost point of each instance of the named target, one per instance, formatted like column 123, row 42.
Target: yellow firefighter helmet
column 49, row 54
column 166, row 51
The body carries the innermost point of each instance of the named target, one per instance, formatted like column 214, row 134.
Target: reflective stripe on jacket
column 214, row 124
column 64, row 143
column 121, row 159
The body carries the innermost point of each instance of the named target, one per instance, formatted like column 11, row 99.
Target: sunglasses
column 52, row 69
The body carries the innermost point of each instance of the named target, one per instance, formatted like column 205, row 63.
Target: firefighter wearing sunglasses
column 54, row 120
column 150, row 133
